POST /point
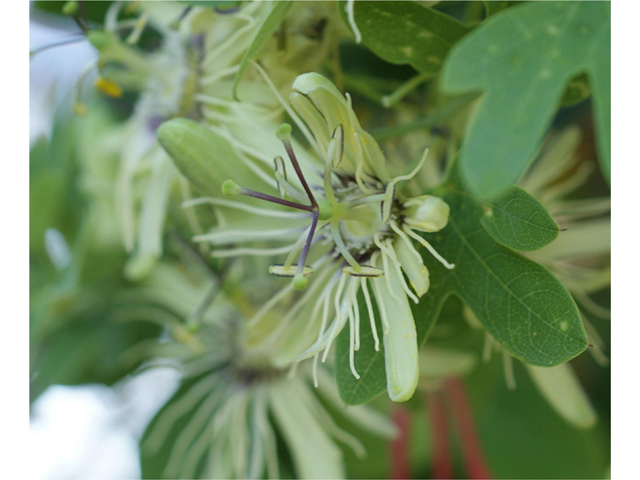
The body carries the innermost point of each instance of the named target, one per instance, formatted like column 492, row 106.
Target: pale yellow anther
column 108, row 87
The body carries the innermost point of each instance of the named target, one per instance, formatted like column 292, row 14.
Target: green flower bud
column 203, row 156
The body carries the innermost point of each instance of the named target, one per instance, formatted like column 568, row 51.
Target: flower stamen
column 230, row 188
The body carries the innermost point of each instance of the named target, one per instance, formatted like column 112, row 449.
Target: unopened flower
column 338, row 215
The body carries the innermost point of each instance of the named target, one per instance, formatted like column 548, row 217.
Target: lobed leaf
column 407, row 33
column 522, row 60
column 519, row 221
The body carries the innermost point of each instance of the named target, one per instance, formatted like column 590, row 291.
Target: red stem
column 475, row 463
column 400, row 468
column 442, row 465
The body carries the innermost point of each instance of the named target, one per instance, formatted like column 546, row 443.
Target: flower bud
column 427, row 213
column 203, row 156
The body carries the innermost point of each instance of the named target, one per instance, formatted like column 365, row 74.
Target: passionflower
column 234, row 402
column 336, row 213
column 190, row 74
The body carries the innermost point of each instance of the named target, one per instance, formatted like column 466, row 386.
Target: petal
column 323, row 108
column 560, row 387
column 571, row 243
column 556, row 160
column 444, row 363
column 364, row 416
column 413, row 266
column 400, row 341
column 314, row 453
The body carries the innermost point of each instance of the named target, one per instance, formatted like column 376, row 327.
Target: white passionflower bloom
column 234, row 402
column 190, row 74
column 337, row 213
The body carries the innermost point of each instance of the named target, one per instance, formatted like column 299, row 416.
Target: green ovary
column 360, row 223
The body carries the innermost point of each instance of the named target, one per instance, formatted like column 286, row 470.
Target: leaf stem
column 427, row 121
column 405, row 89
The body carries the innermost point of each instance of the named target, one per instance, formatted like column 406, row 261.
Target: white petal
column 362, row 415
column 400, row 342
column 314, row 453
column 317, row 100
column 443, row 363
column 561, row 388
column 413, row 267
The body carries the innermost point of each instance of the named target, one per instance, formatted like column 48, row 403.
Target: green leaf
column 92, row 11
column 213, row 3
column 501, row 415
column 368, row 362
column 407, row 33
column 270, row 25
column 520, row 303
column 519, row 221
column 493, row 7
column 523, row 60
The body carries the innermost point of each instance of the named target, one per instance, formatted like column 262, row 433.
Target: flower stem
column 400, row 466
column 441, row 460
column 475, row 463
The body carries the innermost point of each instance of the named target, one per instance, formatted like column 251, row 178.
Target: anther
column 279, row 167
column 279, row 270
column 325, row 208
column 365, row 271
column 231, row 188
column 388, row 202
column 108, row 87
column 335, row 149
